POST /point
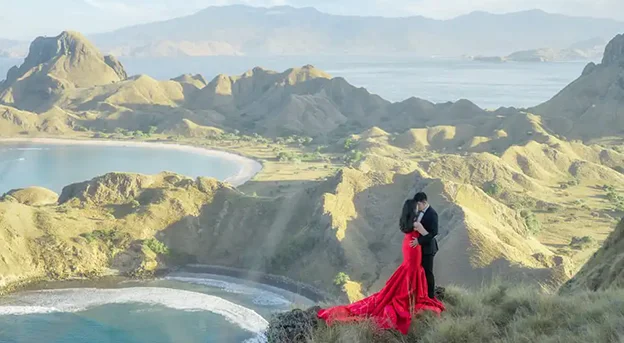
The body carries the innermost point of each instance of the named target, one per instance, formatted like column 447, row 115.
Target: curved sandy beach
column 248, row 167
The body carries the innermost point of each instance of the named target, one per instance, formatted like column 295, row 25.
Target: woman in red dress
column 404, row 294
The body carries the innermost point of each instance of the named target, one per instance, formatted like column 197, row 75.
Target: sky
column 26, row 19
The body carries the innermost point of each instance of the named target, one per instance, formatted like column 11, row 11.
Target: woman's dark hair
column 406, row 222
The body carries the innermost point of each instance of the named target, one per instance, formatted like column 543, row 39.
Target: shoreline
column 283, row 283
column 307, row 291
column 249, row 167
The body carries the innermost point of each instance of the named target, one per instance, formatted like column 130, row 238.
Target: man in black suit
column 428, row 217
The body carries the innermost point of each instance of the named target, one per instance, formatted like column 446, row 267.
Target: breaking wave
column 81, row 299
column 260, row 297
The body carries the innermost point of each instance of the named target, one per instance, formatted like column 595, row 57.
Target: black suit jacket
column 430, row 223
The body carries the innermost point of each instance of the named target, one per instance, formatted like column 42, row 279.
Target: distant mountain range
column 69, row 79
column 244, row 30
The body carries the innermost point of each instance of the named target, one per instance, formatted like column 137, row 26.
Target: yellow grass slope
column 54, row 65
column 96, row 225
column 35, row 196
column 605, row 270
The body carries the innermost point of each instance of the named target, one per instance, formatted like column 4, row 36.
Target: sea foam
column 80, row 299
column 260, row 297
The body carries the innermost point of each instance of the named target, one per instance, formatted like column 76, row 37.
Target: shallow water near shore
column 57, row 165
column 181, row 307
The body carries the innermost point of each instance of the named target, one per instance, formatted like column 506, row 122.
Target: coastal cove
column 196, row 306
column 70, row 161
column 226, row 303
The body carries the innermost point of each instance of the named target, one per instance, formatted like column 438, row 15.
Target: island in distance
column 588, row 50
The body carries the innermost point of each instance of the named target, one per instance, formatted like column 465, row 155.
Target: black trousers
column 427, row 263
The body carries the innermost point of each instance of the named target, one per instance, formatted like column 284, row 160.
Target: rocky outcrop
column 54, row 65
column 614, row 52
column 590, row 107
column 112, row 188
column 294, row 326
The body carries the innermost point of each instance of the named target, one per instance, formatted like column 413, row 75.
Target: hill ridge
column 55, row 65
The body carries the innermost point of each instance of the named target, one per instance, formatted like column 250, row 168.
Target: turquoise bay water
column 56, row 166
column 180, row 308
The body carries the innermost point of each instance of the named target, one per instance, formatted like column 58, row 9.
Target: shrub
column 616, row 199
column 341, row 278
column 285, row 156
column 353, row 157
column 492, row 189
column 156, row 246
column 581, row 243
column 110, row 238
column 349, row 144
column 531, row 221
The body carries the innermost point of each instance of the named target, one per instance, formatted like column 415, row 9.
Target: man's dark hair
column 420, row 196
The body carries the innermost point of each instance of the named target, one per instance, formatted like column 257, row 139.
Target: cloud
column 112, row 6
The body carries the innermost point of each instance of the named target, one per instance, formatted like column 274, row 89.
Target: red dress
column 404, row 294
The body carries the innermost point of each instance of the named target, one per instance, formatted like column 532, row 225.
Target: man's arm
column 432, row 228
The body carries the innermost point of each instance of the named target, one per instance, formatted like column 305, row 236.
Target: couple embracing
column 411, row 289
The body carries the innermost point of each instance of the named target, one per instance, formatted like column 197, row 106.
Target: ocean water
column 184, row 308
column 56, row 166
column 489, row 85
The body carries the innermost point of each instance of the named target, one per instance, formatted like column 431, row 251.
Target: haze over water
column 489, row 85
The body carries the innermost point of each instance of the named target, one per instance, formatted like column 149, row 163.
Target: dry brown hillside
column 605, row 270
column 505, row 215
column 555, row 187
column 350, row 219
column 55, row 65
column 591, row 106
column 88, row 90
column 104, row 223
column 92, row 91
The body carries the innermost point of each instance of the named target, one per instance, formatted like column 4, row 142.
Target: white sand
column 248, row 167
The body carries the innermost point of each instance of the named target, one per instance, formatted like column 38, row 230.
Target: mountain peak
column 307, row 72
column 44, row 49
column 614, row 52
column 54, row 64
